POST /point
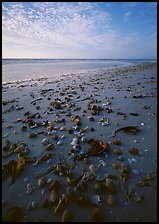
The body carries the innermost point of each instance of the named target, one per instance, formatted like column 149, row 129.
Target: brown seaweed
column 127, row 129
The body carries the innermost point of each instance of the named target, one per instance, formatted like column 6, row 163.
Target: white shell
column 45, row 141
column 59, row 142
column 33, row 204
column 49, row 180
column 26, row 179
column 95, row 199
column 74, row 141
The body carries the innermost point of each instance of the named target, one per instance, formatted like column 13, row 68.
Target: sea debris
column 97, row 147
column 42, row 181
column 128, row 129
column 76, row 119
column 117, row 142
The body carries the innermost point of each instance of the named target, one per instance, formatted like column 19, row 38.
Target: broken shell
column 97, row 147
column 117, row 151
column 26, row 179
column 117, row 142
column 53, row 198
column 134, row 151
column 90, row 118
column 111, row 201
column 32, row 135
column 92, row 169
column 74, row 141
column 45, row 141
column 115, row 166
column 67, row 216
column 54, row 185
column 42, row 181
column 49, row 147
column 95, row 199
column 59, row 142
column 49, row 180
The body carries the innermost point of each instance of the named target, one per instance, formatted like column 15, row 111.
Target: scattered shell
column 142, row 124
column 135, row 171
column 49, row 180
column 59, row 142
column 133, row 151
column 49, row 147
column 115, row 166
column 97, row 147
column 33, row 204
column 62, row 129
column 84, row 139
column 32, row 135
column 117, row 151
column 26, row 179
column 53, row 196
column 92, row 169
column 43, row 191
column 74, row 141
column 90, row 118
column 117, row 142
column 41, row 181
column 49, row 161
column 45, row 141
column 111, row 201
column 67, row 216
column 95, row 199
column 120, row 158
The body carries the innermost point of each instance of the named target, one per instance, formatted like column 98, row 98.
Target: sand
column 126, row 90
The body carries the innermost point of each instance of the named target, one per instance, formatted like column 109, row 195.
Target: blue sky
column 79, row 30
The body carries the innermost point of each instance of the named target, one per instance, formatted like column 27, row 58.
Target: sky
column 111, row 30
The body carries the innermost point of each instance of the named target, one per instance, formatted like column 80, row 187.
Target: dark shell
column 133, row 151
column 49, row 147
column 97, row 147
column 32, row 135
column 117, row 142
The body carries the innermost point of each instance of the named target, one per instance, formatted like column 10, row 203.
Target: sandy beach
column 51, row 128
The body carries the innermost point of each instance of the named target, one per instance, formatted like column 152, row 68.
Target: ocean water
column 24, row 69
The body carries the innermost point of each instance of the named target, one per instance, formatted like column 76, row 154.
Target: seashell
column 49, row 180
column 45, row 141
column 26, row 179
column 32, row 135
column 62, row 129
column 76, row 119
column 90, row 118
column 24, row 128
column 41, row 181
column 49, row 147
column 49, row 161
column 53, row 198
column 117, row 151
column 13, row 214
column 133, row 151
column 33, row 204
column 97, row 147
column 111, row 201
column 110, row 185
column 117, row 142
column 67, row 216
column 92, row 169
column 59, row 142
column 96, row 214
column 74, row 141
column 63, row 136
column 120, row 158
column 43, row 191
column 86, row 161
column 115, row 166
column 95, row 199
column 135, row 171
column 29, row 190
column 54, row 185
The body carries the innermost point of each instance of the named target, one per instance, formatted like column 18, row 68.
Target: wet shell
column 95, row 199
column 67, row 216
column 133, row 151
column 32, row 135
column 74, row 141
column 117, row 151
column 117, row 142
column 90, row 118
column 24, row 128
column 111, row 201
column 53, row 198
column 55, row 184
column 97, row 147
column 115, row 166
column 42, row 181
column 45, row 141
column 92, row 169
column 18, row 149
column 49, row 147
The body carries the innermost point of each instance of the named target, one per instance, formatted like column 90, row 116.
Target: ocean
column 25, row 69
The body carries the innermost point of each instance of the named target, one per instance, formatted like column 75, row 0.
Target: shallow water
column 99, row 85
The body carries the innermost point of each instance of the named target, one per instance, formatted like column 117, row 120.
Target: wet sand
column 126, row 97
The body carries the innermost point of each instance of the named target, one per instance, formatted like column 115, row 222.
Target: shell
column 92, row 169
column 59, row 142
column 111, row 201
column 42, row 181
column 133, row 151
column 90, row 118
column 95, row 199
column 67, row 216
column 53, row 198
column 49, row 180
column 32, row 135
column 74, row 141
column 117, row 142
column 45, row 141
column 97, row 147
column 115, row 166
column 54, row 185
column 49, row 147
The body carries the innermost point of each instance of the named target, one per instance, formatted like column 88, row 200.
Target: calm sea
column 24, row 69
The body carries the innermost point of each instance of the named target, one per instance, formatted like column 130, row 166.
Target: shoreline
column 123, row 97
